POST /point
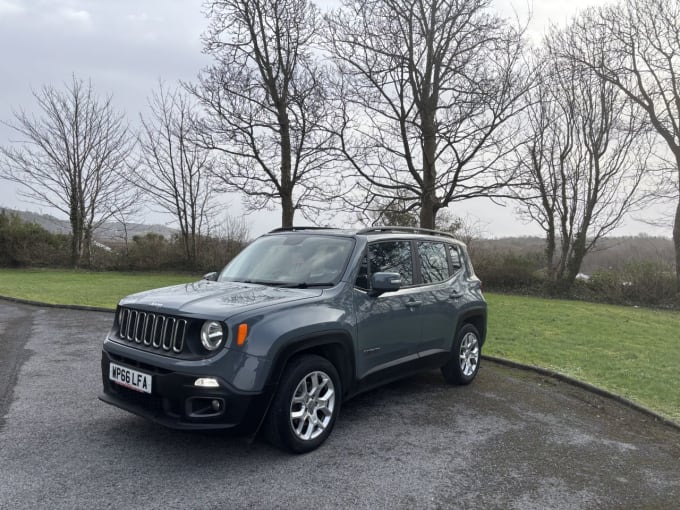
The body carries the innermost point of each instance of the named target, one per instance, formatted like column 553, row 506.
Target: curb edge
column 53, row 305
column 586, row 386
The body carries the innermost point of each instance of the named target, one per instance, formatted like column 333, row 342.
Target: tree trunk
column 427, row 213
column 76, row 221
column 87, row 245
column 287, row 209
column 428, row 203
column 550, row 246
column 574, row 262
column 676, row 243
column 75, row 249
column 286, row 191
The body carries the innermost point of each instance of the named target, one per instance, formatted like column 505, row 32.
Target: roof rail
column 295, row 229
column 409, row 230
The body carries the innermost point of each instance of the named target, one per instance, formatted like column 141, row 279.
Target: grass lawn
column 102, row 289
column 634, row 352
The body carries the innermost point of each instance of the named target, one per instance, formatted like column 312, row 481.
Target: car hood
column 214, row 299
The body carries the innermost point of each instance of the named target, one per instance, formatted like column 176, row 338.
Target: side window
column 392, row 257
column 434, row 265
column 456, row 261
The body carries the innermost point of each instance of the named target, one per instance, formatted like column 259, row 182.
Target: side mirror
column 385, row 282
column 211, row 277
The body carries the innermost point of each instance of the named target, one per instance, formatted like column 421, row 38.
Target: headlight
column 212, row 335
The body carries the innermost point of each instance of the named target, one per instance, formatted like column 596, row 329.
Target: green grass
column 103, row 289
column 634, row 352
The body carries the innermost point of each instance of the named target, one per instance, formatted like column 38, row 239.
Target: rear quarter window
column 434, row 265
column 456, row 259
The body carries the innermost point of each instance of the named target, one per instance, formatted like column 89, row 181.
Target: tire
column 305, row 406
column 465, row 357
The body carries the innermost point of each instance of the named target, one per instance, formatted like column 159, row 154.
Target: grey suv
column 301, row 320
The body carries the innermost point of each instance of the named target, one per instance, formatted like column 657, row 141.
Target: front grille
column 152, row 329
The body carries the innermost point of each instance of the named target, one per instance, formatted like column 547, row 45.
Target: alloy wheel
column 312, row 405
column 469, row 354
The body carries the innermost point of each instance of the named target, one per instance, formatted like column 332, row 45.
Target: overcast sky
column 126, row 46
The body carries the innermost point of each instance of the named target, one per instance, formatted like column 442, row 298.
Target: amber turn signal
column 241, row 334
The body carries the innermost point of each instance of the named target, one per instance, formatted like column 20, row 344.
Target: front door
column 389, row 325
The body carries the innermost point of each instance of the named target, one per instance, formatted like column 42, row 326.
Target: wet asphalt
column 512, row 439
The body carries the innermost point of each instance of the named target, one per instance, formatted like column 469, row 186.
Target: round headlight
column 212, row 335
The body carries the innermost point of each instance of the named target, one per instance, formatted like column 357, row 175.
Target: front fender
column 275, row 335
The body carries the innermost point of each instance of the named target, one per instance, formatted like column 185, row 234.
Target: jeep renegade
column 301, row 320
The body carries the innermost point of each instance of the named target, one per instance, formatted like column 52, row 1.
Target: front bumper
column 176, row 403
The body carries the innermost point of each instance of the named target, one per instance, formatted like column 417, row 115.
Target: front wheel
column 306, row 405
column 465, row 355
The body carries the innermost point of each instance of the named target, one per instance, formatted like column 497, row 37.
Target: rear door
column 442, row 277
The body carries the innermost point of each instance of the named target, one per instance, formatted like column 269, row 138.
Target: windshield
column 294, row 260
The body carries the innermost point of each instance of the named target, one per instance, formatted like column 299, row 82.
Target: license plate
column 133, row 379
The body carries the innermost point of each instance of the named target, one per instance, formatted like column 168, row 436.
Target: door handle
column 455, row 295
column 413, row 304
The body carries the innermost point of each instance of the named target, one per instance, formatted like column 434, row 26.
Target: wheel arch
column 477, row 318
column 335, row 346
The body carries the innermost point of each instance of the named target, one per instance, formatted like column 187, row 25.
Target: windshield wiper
column 286, row 285
column 262, row 282
column 305, row 285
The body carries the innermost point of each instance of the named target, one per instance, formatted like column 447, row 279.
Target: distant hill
column 610, row 253
column 110, row 231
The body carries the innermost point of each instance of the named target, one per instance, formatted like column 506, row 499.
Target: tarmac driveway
column 510, row 440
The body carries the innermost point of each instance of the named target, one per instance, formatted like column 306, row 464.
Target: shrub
column 637, row 283
column 25, row 244
column 154, row 252
column 509, row 271
column 215, row 253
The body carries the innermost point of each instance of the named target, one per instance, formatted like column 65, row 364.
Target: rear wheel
column 465, row 356
column 305, row 406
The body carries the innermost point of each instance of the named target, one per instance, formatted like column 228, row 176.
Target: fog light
column 207, row 382
column 216, row 405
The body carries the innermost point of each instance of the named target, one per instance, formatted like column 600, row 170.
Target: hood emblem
column 156, row 304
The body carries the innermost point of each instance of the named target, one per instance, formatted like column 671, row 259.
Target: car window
column 434, row 266
column 456, row 261
column 295, row 259
column 391, row 257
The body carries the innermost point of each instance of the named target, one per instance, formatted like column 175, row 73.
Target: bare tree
column 428, row 95
column 123, row 218
column 174, row 172
column 582, row 165
column 265, row 100
column 635, row 46
column 71, row 158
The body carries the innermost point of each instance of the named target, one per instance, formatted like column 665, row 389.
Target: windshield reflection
column 292, row 260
